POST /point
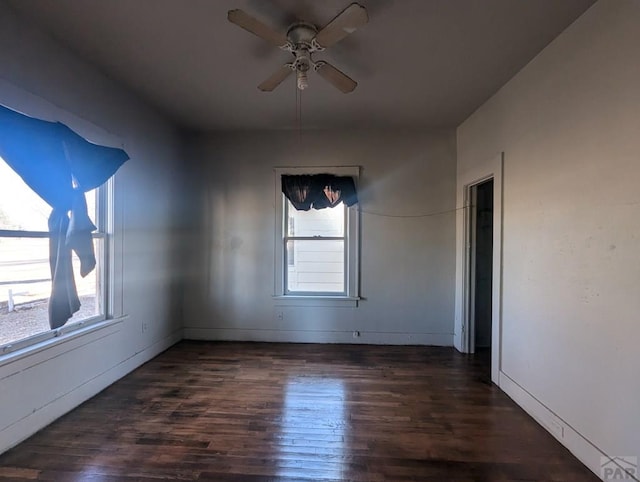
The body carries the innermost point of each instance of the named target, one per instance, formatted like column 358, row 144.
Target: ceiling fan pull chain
column 299, row 115
column 295, row 106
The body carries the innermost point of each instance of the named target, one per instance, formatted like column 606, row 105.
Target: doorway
column 480, row 275
column 479, row 204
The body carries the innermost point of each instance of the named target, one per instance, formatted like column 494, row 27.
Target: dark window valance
column 60, row 166
column 318, row 191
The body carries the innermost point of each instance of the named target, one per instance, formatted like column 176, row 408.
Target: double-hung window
column 25, row 277
column 316, row 254
column 314, row 243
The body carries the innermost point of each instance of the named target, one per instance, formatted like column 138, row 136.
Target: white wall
column 38, row 76
column 569, row 126
column 407, row 264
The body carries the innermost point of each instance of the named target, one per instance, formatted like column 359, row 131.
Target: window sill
column 10, row 354
column 324, row 301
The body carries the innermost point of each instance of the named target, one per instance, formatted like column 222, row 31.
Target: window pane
column 92, row 199
column 25, row 287
column 20, row 207
column 88, row 287
column 25, row 283
column 315, row 266
column 316, row 222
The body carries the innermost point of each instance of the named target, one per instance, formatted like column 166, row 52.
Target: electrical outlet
column 279, row 315
column 145, row 327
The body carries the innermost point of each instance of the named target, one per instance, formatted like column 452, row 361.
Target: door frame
column 490, row 169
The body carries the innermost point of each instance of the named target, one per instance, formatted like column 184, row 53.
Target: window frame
column 104, row 267
column 351, row 294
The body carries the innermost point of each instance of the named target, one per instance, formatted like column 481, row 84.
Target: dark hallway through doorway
column 482, row 270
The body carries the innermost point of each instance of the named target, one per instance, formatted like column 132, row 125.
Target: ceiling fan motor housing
column 302, row 34
column 301, row 43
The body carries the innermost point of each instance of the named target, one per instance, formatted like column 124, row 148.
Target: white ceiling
column 420, row 63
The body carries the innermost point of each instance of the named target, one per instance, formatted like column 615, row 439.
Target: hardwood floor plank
column 286, row 412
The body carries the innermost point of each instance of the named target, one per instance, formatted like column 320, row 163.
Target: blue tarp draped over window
column 60, row 166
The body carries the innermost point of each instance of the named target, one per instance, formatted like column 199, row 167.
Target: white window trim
column 352, row 247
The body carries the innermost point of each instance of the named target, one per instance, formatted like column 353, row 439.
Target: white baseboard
column 27, row 426
column 584, row 450
column 308, row 336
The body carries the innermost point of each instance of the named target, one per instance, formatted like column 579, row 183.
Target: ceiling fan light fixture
column 302, row 79
column 302, row 65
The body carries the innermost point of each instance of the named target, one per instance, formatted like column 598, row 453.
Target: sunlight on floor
column 314, row 425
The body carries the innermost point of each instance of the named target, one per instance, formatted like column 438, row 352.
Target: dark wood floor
column 262, row 412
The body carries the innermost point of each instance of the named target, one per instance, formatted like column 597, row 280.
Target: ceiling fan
column 302, row 40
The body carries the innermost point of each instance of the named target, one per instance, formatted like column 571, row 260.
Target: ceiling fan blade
column 345, row 23
column 256, row 27
column 276, row 79
column 332, row 75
